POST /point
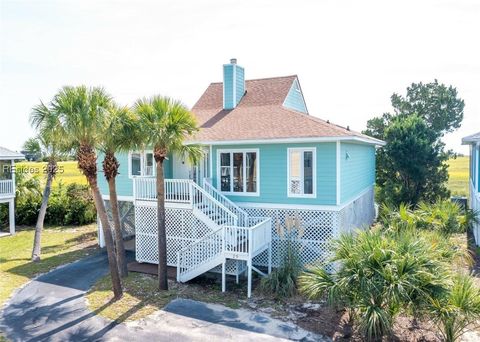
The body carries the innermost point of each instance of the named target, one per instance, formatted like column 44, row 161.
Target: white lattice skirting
column 317, row 228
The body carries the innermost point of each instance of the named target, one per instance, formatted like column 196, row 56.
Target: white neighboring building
column 7, row 182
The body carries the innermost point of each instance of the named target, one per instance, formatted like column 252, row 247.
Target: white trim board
column 371, row 141
column 338, row 173
column 302, row 206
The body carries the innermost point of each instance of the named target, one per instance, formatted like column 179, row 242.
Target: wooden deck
column 151, row 269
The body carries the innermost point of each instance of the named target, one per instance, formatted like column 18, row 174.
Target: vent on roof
column 233, row 84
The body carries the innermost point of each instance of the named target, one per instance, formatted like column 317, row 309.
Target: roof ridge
column 262, row 79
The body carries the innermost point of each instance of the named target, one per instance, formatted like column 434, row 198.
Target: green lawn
column 67, row 171
column 60, row 245
column 458, row 172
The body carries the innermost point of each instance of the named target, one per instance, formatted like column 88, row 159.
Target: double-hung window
column 140, row 164
column 302, row 172
column 238, row 172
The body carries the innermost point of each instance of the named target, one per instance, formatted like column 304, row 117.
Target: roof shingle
column 260, row 115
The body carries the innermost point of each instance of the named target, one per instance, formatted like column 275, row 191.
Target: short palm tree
column 49, row 142
column 165, row 124
column 119, row 135
column 81, row 114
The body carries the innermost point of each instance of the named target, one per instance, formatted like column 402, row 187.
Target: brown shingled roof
column 259, row 115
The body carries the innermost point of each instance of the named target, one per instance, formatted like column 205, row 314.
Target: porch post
column 270, row 258
column 11, row 216
column 224, row 275
column 249, row 275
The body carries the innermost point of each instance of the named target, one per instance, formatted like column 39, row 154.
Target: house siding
column 273, row 173
column 294, row 99
column 357, row 169
column 124, row 183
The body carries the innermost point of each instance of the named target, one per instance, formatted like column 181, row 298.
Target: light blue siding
column 233, row 85
column 239, row 83
column 273, row 174
column 294, row 99
column 357, row 169
column 474, row 164
column 124, row 183
column 228, row 100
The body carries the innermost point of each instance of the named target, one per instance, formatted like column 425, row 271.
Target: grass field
column 458, row 172
column 60, row 245
column 67, row 171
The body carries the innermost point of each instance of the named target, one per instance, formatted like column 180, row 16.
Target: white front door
column 181, row 167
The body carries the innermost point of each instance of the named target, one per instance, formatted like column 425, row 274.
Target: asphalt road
column 52, row 308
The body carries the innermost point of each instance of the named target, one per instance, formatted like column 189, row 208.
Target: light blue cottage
column 474, row 178
column 271, row 172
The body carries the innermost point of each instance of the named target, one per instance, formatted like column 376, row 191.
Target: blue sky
column 350, row 56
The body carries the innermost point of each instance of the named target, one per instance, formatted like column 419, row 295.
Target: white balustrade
column 176, row 190
column 199, row 253
column 6, row 188
column 212, row 191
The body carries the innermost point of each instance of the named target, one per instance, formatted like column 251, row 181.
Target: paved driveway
column 52, row 308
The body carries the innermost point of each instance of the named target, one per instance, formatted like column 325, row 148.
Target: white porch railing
column 475, row 205
column 6, row 188
column 176, row 190
column 241, row 214
column 228, row 242
column 186, row 191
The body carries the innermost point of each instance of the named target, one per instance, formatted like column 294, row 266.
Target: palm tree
column 165, row 124
column 48, row 142
column 80, row 114
column 119, row 135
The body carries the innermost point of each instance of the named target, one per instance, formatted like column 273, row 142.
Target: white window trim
column 314, row 171
column 143, row 159
column 219, row 167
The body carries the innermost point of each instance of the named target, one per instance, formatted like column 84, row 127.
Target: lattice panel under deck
column 316, row 228
column 182, row 228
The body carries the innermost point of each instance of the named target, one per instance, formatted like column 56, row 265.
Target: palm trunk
column 120, row 247
column 52, row 165
column 162, row 238
column 107, row 234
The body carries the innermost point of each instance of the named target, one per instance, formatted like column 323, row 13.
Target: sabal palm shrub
column 378, row 276
column 282, row 282
column 443, row 216
column 458, row 309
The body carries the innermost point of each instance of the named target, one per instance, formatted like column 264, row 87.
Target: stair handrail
column 208, row 253
column 231, row 216
column 242, row 214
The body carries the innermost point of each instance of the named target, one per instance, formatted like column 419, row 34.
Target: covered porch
column 7, row 185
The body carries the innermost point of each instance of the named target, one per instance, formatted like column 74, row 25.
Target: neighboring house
column 7, row 182
column 474, row 180
column 271, row 172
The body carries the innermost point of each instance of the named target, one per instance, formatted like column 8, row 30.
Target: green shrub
column 67, row 205
column 458, row 309
column 443, row 216
column 378, row 275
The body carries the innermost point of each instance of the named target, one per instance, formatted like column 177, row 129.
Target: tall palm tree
column 165, row 124
column 119, row 135
column 81, row 116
